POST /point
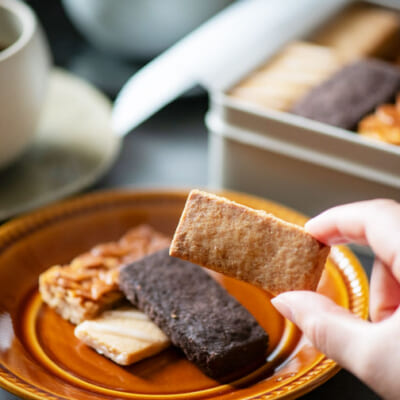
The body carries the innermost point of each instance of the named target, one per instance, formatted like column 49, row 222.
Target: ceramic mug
column 24, row 68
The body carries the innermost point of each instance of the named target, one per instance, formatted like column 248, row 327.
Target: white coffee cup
column 24, row 70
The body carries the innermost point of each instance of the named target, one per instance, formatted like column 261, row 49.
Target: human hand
column 368, row 349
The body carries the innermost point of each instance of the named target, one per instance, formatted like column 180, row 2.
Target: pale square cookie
column 124, row 335
column 248, row 244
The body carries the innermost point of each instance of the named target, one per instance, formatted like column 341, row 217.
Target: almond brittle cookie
column 89, row 284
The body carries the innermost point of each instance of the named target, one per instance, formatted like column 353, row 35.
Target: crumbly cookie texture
column 89, row 284
column 124, row 335
column 248, row 244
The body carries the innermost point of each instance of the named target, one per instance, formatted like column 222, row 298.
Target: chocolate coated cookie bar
column 351, row 93
column 211, row 327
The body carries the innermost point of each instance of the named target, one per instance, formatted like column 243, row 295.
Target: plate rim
column 33, row 221
column 91, row 176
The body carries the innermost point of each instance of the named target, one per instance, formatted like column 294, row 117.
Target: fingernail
column 308, row 224
column 283, row 308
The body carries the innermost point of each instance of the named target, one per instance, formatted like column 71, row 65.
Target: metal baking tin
column 302, row 163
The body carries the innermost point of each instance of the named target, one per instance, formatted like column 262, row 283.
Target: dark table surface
column 158, row 153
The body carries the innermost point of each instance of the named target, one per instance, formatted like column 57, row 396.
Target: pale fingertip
column 283, row 308
column 309, row 225
column 316, row 229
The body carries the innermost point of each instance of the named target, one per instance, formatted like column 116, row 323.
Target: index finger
column 374, row 222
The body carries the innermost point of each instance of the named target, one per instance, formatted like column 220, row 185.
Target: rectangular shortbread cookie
column 248, row 244
column 125, row 335
column 89, row 284
column 288, row 76
column 199, row 316
column 362, row 30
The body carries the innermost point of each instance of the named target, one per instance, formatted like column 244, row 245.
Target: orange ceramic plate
column 41, row 359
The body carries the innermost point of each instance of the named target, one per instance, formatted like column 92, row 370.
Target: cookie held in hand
column 248, row 244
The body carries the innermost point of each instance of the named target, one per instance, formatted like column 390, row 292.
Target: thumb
column 331, row 329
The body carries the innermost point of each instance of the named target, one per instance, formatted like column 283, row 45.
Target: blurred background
column 92, row 40
column 105, row 42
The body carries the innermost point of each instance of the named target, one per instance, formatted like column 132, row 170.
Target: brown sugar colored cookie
column 248, row 244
